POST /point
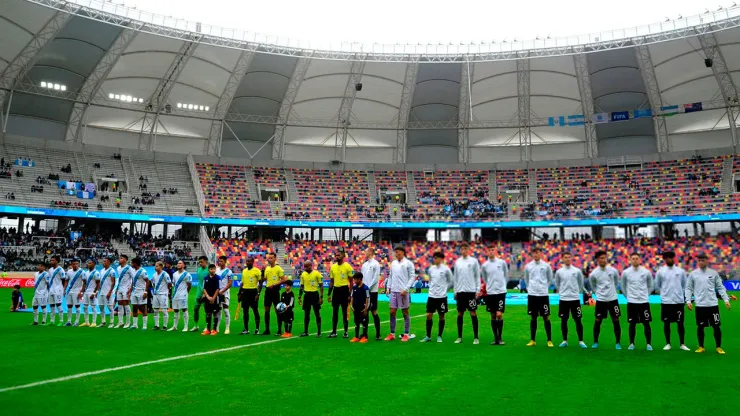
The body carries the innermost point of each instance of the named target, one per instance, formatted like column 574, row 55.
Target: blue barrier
column 53, row 212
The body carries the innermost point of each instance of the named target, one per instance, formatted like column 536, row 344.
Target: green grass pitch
column 310, row 376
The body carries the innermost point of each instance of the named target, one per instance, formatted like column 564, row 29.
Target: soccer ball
column 591, row 302
column 281, row 307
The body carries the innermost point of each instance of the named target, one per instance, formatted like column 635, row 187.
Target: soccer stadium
column 202, row 219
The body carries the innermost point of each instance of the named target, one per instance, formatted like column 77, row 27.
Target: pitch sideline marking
column 144, row 363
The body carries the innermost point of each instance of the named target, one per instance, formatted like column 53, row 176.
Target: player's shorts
column 340, row 296
column 89, row 302
column 249, row 298
column 570, row 308
column 639, row 312
column 122, row 296
column 180, row 304
column 39, row 301
column 160, row 301
column 466, row 302
column 438, row 305
column 610, row 308
column 373, row 302
column 399, row 301
column 104, row 301
column 707, row 316
column 496, row 302
column 55, row 299
column 272, row 297
column 672, row 312
column 72, row 299
column 212, row 307
column 137, row 299
column 311, row 301
column 538, row 306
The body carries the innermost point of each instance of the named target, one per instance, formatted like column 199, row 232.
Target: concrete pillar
column 321, row 234
column 696, row 229
column 733, row 227
column 703, row 228
column 349, row 230
column 562, row 233
column 165, row 228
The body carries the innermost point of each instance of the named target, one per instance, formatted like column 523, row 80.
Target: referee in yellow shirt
column 340, row 281
column 312, row 289
column 273, row 276
column 249, row 295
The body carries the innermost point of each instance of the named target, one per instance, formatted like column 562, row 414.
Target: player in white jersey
column 604, row 280
column 106, row 293
column 225, row 277
column 40, row 294
column 538, row 278
column 56, row 288
column 495, row 273
column 182, row 282
column 139, row 292
column 125, row 276
column 371, row 272
column 162, row 283
column 467, row 285
column 569, row 283
column 89, row 299
column 75, row 291
column 637, row 284
column 670, row 282
column 440, row 281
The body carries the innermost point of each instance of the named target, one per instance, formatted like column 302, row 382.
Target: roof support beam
column 465, row 115
column 345, row 109
column 158, row 101
column 286, row 107
column 647, row 70
column 524, row 111
column 583, row 77
column 726, row 85
column 213, row 145
column 18, row 68
column 404, row 112
column 91, row 88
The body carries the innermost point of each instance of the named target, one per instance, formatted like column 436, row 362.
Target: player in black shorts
column 440, row 280
column 703, row 285
column 569, row 283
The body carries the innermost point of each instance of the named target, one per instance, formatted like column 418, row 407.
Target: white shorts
column 138, row 299
column 39, row 301
column 122, row 296
column 103, row 301
column 160, row 301
column 87, row 301
column 72, row 299
column 55, row 299
column 179, row 304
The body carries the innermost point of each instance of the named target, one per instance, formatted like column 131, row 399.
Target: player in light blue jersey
column 56, row 288
column 183, row 282
column 161, row 283
column 89, row 299
column 139, row 292
column 40, row 294
column 225, row 277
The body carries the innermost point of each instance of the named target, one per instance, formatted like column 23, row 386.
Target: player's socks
column 318, row 326
column 429, row 329
column 86, row 312
column 681, row 333
column 532, row 328
column 617, row 331
column 227, row 319
column 564, row 329
column 579, row 329
column 548, row 330
column 79, row 313
column 406, row 324
column 393, row 324
column 494, row 328
column 597, row 332
column 144, row 320
column 59, row 312
column 46, row 312
column 667, row 332
column 648, row 333
column 500, row 331
column 459, row 326
column 474, row 318
column 36, row 314
column 306, row 321
column 717, row 336
column 267, row 323
column 127, row 313
column 376, row 321
column 346, row 325
column 441, row 327
column 156, row 319
column 632, row 333
column 186, row 318
column 176, row 319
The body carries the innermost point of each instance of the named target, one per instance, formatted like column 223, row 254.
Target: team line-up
column 127, row 285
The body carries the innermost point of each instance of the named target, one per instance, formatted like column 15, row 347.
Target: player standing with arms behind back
column 467, row 285
column 273, row 276
column 569, row 283
column 40, row 293
column 138, row 292
column 106, row 297
column 225, row 277
column 56, row 288
column 538, row 278
column 249, row 295
column 89, row 300
column 670, row 282
column 495, row 274
column 371, row 277
column 400, row 279
column 200, row 300
column 162, row 284
column 440, row 281
column 125, row 278
column 183, row 283
column 311, row 297
column 637, row 284
column 604, row 280
column 75, row 290
column 340, row 284
column 703, row 285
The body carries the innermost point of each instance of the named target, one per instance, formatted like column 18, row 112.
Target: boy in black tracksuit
column 360, row 305
column 288, row 298
column 211, row 300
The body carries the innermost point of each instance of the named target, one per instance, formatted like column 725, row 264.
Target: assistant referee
column 312, row 289
column 340, row 274
column 249, row 295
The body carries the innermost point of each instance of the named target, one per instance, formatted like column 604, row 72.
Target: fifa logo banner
column 620, row 115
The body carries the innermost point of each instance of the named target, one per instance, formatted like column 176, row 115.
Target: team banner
column 576, row 120
column 557, row 121
column 669, row 110
column 692, row 108
column 600, row 118
column 620, row 115
column 643, row 113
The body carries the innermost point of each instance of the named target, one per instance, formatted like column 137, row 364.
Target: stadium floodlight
column 179, row 105
column 57, row 87
column 201, row 108
column 64, row 88
column 190, row 106
column 141, row 100
column 111, row 96
column 208, row 108
column 43, row 84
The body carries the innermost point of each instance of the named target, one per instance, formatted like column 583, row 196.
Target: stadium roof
column 110, row 75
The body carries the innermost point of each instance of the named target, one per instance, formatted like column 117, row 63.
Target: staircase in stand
column 492, row 186
column 372, row 187
column 532, row 194
column 410, row 189
column 290, row 183
column 727, row 187
column 251, row 184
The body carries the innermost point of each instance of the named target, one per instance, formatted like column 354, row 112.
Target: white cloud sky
column 431, row 21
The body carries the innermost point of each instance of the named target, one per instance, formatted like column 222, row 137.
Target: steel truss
column 464, row 113
column 345, row 109
column 724, row 79
column 17, row 70
column 647, row 70
column 431, row 53
column 158, row 101
column 583, row 77
column 404, row 112
column 90, row 90
column 213, row 145
column 286, row 107
column 524, row 114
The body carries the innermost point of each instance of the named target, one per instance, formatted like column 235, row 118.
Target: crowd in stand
column 68, row 204
column 155, row 248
